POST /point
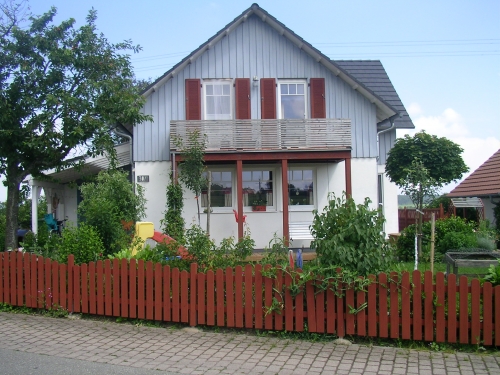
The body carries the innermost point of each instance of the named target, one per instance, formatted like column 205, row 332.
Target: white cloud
column 450, row 124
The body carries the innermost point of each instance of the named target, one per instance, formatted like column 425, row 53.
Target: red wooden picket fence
column 392, row 306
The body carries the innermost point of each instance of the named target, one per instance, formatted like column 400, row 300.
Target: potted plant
column 259, row 204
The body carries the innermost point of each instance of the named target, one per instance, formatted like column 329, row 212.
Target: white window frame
column 308, row 207
column 272, row 208
column 204, row 96
column 233, row 189
column 306, row 97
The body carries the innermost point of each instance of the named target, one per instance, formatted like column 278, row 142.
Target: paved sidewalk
column 186, row 352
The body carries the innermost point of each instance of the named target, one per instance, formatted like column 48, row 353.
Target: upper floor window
column 292, row 99
column 218, row 100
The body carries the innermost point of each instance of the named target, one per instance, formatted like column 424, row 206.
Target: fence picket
column 452, row 308
column 33, row 293
column 27, row 278
column 372, row 306
column 405, row 307
column 220, row 290
column 248, row 297
column 149, row 290
column 100, row 287
column 350, row 307
column 71, row 263
column 184, row 297
column 463, row 316
column 167, row 306
column 48, row 285
column 230, row 297
column 210, row 298
column 76, row 289
column 288, row 304
column 394, row 308
column 382, row 303
column 124, row 289
column 13, row 279
column 201, row 298
column 268, row 300
column 158, row 292
column 2, row 271
column 20, row 281
column 320, row 312
column 311, row 306
column 133, row 288
column 85, row 292
column 258, row 297
column 6, row 277
column 361, row 314
column 62, row 286
column 475, row 334
column 330, row 310
column 192, row 294
column 278, row 316
column 175, row 295
column 487, row 314
column 497, row 315
column 238, row 296
column 92, row 288
column 440, row 317
column 428, row 307
column 108, row 305
column 141, row 290
column 115, row 280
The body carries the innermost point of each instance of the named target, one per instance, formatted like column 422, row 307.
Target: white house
column 284, row 124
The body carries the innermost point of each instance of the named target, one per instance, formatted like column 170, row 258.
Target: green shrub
column 493, row 275
column 83, row 242
column 173, row 223
column 450, row 233
column 350, row 236
column 111, row 206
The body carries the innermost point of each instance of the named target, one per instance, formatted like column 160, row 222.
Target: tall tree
column 61, row 87
column 421, row 165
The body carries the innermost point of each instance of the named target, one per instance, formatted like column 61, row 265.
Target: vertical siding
column 386, row 141
column 253, row 49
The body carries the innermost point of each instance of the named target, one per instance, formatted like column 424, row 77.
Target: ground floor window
column 300, row 187
column 258, row 188
column 221, row 194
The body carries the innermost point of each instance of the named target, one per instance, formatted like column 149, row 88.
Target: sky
column 443, row 57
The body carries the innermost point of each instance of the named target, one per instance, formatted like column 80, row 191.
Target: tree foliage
column 173, row 223
column 111, row 206
column 61, row 88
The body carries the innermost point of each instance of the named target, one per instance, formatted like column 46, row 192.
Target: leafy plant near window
column 193, row 165
column 350, row 236
column 173, row 222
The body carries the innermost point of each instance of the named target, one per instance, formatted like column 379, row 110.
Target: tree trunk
column 13, row 187
column 419, row 225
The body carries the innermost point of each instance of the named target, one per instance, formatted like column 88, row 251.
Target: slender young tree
column 61, row 87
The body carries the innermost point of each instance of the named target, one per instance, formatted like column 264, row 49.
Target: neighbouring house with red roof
column 483, row 183
column 285, row 125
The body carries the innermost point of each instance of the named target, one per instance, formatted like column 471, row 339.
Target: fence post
column 71, row 263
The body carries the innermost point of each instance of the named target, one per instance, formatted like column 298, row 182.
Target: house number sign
column 143, row 178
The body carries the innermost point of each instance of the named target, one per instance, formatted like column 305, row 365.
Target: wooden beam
column 322, row 156
column 348, row 184
column 239, row 196
column 284, row 188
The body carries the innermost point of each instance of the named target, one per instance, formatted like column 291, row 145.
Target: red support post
column 284, row 188
column 239, row 196
column 348, row 183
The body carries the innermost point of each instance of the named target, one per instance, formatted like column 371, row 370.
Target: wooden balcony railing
column 266, row 135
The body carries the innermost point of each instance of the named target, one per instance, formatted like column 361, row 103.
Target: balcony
column 266, row 135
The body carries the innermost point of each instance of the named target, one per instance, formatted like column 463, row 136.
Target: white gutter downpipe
column 393, row 125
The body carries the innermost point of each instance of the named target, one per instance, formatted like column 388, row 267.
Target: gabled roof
column 484, row 181
column 374, row 77
column 384, row 107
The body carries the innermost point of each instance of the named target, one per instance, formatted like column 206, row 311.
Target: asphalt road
column 14, row 362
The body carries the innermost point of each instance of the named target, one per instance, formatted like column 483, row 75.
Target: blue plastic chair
column 51, row 222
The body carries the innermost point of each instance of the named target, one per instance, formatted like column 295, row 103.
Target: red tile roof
column 483, row 181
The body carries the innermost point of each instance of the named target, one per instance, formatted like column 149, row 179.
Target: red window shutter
column 268, row 98
column 193, row 99
column 318, row 102
column 242, row 88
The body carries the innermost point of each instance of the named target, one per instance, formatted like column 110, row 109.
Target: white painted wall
column 364, row 180
column 390, row 207
column 155, row 189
